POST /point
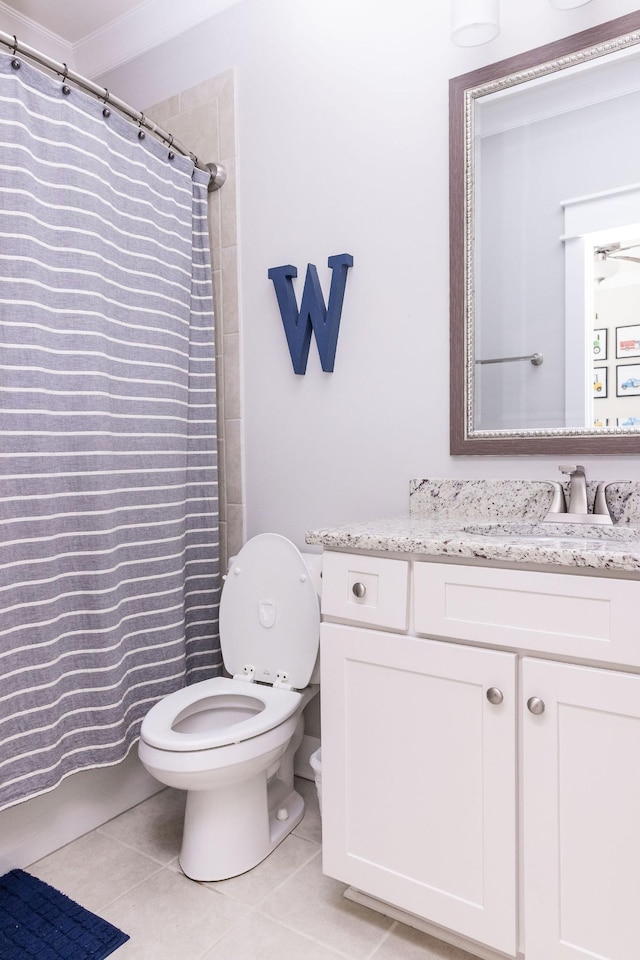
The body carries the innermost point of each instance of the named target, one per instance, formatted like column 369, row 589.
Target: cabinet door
column 581, row 813
column 418, row 778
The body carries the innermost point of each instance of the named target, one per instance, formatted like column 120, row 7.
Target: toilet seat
column 274, row 705
column 269, row 632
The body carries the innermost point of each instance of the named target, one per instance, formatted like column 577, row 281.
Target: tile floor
column 127, row 872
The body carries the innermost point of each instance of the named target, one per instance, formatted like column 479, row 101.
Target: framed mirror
column 545, row 248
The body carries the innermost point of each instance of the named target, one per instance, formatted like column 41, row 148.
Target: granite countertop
column 497, row 521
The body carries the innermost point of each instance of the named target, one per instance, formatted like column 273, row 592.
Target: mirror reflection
column 615, row 352
column 552, row 247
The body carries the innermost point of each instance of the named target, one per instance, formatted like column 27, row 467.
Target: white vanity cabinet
column 581, row 812
column 512, row 832
column 419, row 774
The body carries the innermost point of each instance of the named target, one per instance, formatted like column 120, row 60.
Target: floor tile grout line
column 386, row 936
column 218, row 940
column 137, row 850
column 129, row 890
column 322, row 943
column 306, row 936
column 254, row 907
column 289, row 876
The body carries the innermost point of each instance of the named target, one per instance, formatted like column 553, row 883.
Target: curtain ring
column 15, row 63
column 105, row 96
column 66, row 89
column 171, row 154
column 141, row 133
column 106, row 113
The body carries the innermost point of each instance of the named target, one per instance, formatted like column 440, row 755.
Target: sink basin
column 537, row 530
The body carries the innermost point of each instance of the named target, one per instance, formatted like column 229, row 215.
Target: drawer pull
column 494, row 695
column 535, row 705
column 359, row 590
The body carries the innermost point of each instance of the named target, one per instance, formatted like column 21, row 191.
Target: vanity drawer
column 578, row 616
column 371, row 590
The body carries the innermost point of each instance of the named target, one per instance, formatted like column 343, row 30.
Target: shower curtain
column 109, row 581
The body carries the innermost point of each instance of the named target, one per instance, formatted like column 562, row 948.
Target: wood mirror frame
column 463, row 438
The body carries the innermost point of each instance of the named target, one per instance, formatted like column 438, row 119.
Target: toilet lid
column 269, row 612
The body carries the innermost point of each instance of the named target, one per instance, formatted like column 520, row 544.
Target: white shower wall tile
column 207, row 92
column 235, row 528
column 232, row 386
column 230, row 289
column 226, row 99
column 233, row 463
column 224, row 543
column 215, row 240
column 197, row 128
column 228, row 206
column 222, row 479
column 218, row 312
column 163, row 113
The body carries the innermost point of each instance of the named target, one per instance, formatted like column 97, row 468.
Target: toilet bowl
column 230, row 741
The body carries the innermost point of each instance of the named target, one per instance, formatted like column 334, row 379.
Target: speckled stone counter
column 482, row 520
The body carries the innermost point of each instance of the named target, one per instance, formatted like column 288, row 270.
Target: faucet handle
column 601, row 507
column 558, row 502
column 570, row 469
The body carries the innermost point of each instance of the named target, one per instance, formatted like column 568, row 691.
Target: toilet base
column 229, row 831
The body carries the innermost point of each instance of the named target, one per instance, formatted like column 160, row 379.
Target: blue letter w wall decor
column 313, row 315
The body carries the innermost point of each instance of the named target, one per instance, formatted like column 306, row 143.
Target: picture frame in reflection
column 628, row 341
column 628, row 380
column 600, row 344
column 600, row 384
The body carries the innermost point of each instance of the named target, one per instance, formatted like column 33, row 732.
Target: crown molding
column 37, row 36
column 148, row 25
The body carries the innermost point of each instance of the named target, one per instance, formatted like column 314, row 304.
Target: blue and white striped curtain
column 109, row 580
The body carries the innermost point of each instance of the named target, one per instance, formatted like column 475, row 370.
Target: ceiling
column 73, row 19
column 94, row 36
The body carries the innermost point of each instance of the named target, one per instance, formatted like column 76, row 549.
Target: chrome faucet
column 578, row 507
column 577, row 489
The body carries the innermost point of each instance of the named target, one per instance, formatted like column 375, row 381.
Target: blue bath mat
column 40, row 923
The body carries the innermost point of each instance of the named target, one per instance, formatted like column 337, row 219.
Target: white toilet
column 230, row 742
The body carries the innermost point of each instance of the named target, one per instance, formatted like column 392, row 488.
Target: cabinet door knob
column 494, row 695
column 359, row 590
column 535, row 705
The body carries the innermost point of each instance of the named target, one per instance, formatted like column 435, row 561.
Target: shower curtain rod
column 217, row 171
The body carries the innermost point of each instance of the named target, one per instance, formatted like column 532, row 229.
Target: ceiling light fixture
column 474, row 22
column 604, row 267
